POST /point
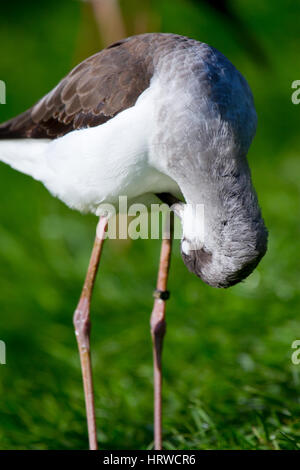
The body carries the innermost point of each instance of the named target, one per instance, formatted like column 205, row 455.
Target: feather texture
column 96, row 90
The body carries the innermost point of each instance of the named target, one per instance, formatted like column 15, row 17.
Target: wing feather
column 92, row 93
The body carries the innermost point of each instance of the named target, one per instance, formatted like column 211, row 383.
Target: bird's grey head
column 224, row 235
column 211, row 125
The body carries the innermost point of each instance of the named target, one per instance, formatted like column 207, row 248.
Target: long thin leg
column 158, row 326
column 82, row 326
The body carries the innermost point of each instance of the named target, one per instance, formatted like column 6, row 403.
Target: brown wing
column 91, row 94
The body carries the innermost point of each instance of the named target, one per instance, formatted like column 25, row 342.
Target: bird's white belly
column 92, row 166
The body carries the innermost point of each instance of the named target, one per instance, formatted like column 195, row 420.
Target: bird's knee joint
column 81, row 319
column 158, row 328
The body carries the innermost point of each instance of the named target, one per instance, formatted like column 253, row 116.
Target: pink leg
column 158, row 328
column 82, row 325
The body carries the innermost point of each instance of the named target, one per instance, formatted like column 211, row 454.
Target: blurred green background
column 229, row 382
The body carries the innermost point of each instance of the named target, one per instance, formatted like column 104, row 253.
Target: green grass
column 229, row 382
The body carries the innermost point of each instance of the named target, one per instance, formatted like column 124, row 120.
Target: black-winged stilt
column 154, row 114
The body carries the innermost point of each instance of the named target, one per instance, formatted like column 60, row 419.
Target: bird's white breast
column 88, row 167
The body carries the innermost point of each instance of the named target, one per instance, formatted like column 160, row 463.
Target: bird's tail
column 25, row 155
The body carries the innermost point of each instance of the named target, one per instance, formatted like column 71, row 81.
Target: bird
column 153, row 117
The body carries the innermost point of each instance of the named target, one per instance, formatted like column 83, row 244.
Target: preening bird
column 151, row 116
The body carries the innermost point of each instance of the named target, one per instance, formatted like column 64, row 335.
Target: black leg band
column 161, row 294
